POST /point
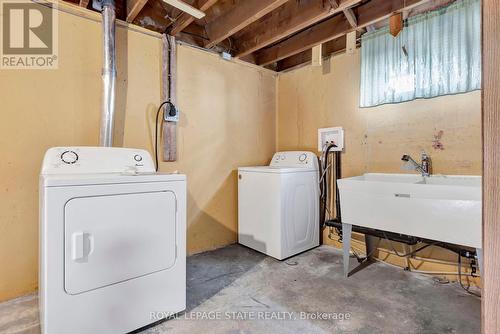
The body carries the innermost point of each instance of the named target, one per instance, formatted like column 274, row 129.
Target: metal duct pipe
column 108, row 73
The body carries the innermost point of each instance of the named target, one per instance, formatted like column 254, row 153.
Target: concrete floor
column 235, row 284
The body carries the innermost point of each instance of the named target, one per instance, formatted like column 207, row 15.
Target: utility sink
column 439, row 207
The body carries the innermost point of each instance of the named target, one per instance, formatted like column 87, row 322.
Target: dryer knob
column 302, row 157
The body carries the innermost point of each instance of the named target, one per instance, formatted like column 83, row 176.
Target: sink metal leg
column 346, row 246
column 371, row 243
column 479, row 252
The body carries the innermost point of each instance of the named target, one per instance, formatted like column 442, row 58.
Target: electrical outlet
column 331, row 136
column 171, row 113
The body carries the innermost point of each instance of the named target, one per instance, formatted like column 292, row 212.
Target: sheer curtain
column 438, row 53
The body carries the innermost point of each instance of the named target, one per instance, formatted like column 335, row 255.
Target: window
column 437, row 53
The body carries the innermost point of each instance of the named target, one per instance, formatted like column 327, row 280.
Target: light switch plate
column 331, row 135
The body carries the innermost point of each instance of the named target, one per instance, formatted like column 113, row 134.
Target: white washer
column 278, row 205
column 112, row 241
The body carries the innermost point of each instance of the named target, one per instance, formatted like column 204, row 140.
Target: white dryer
column 112, row 241
column 278, row 205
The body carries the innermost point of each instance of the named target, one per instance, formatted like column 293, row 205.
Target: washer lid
column 276, row 170
column 106, row 178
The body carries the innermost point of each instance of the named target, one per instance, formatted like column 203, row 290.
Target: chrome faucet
column 424, row 167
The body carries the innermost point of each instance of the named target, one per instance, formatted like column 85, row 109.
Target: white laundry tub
column 440, row 207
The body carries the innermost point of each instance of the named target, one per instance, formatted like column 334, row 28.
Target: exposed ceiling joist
column 134, row 7
column 239, row 17
column 333, row 28
column 292, row 17
column 329, row 48
column 367, row 14
column 185, row 19
column 84, row 3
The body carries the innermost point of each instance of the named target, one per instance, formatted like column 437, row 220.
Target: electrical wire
column 466, row 288
column 156, row 129
column 410, row 253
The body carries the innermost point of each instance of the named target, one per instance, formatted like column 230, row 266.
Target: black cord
column 160, row 108
column 169, row 69
column 410, row 253
column 466, row 288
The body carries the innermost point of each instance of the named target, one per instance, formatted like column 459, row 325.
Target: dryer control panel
column 295, row 159
column 93, row 160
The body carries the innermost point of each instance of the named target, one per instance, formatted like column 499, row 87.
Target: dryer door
column 114, row 238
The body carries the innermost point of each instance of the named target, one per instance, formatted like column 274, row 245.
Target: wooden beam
column 84, row 3
column 351, row 17
column 134, row 7
column 243, row 14
column 185, row 19
column 332, row 28
column 328, row 48
column 490, row 310
column 291, row 18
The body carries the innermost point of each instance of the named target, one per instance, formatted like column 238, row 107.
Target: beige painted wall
column 375, row 138
column 228, row 120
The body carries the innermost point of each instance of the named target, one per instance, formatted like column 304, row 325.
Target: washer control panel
column 295, row 159
column 91, row 160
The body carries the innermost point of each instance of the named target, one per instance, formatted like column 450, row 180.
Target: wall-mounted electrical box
column 171, row 113
column 331, row 135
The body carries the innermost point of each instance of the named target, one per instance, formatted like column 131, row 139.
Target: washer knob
column 137, row 158
column 302, row 157
column 69, row 157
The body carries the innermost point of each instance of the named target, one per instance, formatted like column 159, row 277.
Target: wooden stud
column 185, row 19
column 369, row 13
column 351, row 42
column 317, row 55
column 169, row 129
column 491, row 168
column 134, row 7
column 291, row 18
column 395, row 24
